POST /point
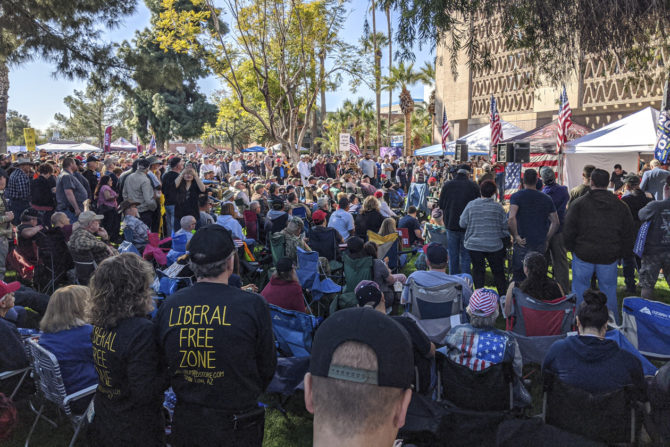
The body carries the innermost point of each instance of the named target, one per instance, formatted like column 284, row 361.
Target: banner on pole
column 397, row 140
column 29, row 136
column 344, row 142
column 107, row 146
column 662, row 150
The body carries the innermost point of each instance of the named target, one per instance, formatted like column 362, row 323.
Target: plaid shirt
column 83, row 244
column 18, row 186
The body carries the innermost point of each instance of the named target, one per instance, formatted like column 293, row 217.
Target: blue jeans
column 459, row 257
column 169, row 219
column 607, row 276
column 517, row 260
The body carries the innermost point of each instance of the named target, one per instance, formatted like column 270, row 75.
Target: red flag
column 107, row 146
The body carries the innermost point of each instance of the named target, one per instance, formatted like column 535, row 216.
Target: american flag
column 353, row 147
column 564, row 120
column 662, row 151
column 513, row 171
column 496, row 125
column 446, row 131
column 152, row 145
column 480, row 350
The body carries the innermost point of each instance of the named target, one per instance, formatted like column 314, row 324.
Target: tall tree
column 402, row 77
column 377, row 72
column 283, row 42
column 234, row 126
column 427, row 78
column 15, row 125
column 386, row 6
column 67, row 33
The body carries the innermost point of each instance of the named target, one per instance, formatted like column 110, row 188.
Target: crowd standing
column 211, row 343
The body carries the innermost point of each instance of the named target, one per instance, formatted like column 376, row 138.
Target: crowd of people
column 211, row 343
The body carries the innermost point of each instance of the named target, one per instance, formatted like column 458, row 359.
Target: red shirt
column 285, row 294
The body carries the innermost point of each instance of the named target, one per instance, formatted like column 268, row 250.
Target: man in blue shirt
column 558, row 255
column 532, row 222
column 412, row 224
column 342, row 220
column 654, row 180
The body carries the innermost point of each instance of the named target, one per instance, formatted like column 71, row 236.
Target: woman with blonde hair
column 132, row 377
column 67, row 335
column 370, row 218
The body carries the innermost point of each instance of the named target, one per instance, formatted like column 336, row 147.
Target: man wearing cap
column 359, row 382
column 436, row 260
column 91, row 174
column 319, row 218
column 455, row 195
column 368, row 294
column 478, row 345
column 18, row 188
column 85, row 245
column 138, row 229
column 218, row 345
column 138, row 188
column 70, row 190
column 560, row 195
column 6, row 218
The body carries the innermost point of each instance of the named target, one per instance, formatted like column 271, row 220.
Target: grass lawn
column 294, row 427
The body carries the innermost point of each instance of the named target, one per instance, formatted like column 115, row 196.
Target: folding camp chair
column 84, row 267
column 646, row 324
column 53, row 390
column 277, row 247
column 387, row 247
column 536, row 324
column 18, row 375
column 178, row 248
column 435, row 309
column 611, row 417
column 54, row 260
column 299, row 211
column 153, row 249
column 251, row 224
column 325, row 243
column 438, row 235
column 355, row 271
column 309, row 275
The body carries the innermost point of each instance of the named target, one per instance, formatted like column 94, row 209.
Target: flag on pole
column 662, row 151
column 496, row 125
column 353, row 147
column 564, row 120
column 107, row 145
column 446, row 131
column 152, row 145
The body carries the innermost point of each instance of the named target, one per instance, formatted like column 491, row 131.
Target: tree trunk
column 408, row 133
column 378, row 74
column 322, row 69
column 4, row 100
column 388, row 23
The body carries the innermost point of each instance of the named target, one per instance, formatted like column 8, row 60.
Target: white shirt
column 305, row 171
column 234, row 166
column 207, row 168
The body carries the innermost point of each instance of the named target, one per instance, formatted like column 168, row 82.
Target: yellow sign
column 29, row 135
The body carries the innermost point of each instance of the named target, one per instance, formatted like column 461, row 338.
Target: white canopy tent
column 619, row 142
column 68, row 147
column 121, row 144
column 478, row 141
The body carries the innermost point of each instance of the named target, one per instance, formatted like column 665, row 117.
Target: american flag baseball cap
column 483, row 302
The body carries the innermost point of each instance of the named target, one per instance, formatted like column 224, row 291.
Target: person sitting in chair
column 319, row 219
column 28, row 233
column 537, row 284
column 62, row 222
column 131, row 222
column 187, row 224
column 479, row 345
column 589, row 361
column 85, row 245
column 284, row 289
column 12, row 354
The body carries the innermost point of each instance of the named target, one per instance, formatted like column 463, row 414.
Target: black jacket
column 131, row 381
column 455, row 195
column 599, row 228
column 218, row 344
column 168, row 187
column 12, row 354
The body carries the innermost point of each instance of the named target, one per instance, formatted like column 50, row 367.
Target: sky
column 35, row 91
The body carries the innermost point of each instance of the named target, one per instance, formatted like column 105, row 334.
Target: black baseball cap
column 436, row 253
column 284, row 265
column 368, row 292
column 389, row 341
column 210, row 243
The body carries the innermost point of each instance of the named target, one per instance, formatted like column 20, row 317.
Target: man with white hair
column 187, row 224
column 653, row 181
column 304, row 169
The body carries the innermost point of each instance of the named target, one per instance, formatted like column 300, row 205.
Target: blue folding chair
column 299, row 211
column 310, row 277
column 178, row 248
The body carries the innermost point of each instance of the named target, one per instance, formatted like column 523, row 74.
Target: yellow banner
column 29, row 135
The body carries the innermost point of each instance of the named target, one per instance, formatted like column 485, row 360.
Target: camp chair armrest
column 15, row 372
column 79, row 394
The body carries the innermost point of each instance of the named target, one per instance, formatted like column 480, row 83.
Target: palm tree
column 401, row 77
column 386, row 6
column 356, row 112
column 427, row 77
column 421, row 130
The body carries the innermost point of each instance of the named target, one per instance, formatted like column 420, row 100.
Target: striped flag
column 152, row 145
column 480, row 350
column 496, row 125
column 513, row 171
column 564, row 120
column 353, row 147
column 446, row 131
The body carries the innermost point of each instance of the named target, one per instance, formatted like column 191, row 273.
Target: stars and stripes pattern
column 662, row 150
column 480, row 350
column 152, row 145
column 513, row 171
column 496, row 125
column 446, row 131
column 353, row 147
column 564, row 120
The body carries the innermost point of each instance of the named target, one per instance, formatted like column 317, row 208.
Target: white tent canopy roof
column 68, row 147
column 121, row 144
column 478, row 141
column 634, row 133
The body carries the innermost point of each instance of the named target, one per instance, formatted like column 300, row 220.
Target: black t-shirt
column 40, row 191
column 369, row 220
column 168, row 188
column 411, row 223
column 617, row 179
column 218, row 343
column 421, row 348
column 131, row 381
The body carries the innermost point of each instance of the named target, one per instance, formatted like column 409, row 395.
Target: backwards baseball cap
column 318, row 216
column 87, row 217
column 6, row 288
column 483, row 302
column 389, row 341
column 210, row 243
column 547, row 174
column 284, row 265
column 368, row 292
column 631, row 178
column 436, row 253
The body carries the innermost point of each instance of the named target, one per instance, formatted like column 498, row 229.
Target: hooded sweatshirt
column 594, row 365
column 599, row 228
